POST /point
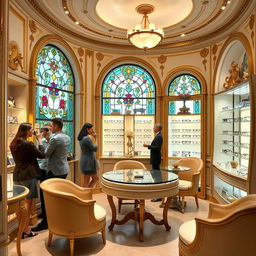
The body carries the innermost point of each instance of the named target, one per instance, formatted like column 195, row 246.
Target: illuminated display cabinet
column 234, row 142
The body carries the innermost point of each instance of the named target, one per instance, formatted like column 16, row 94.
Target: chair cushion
column 187, row 231
column 184, row 185
column 99, row 212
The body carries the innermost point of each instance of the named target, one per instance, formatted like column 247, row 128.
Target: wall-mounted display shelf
column 234, row 140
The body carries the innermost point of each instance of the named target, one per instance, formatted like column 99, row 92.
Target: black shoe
column 31, row 234
column 156, row 200
column 40, row 216
column 41, row 226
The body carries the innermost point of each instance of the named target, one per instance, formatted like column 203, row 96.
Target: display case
column 124, row 135
column 184, row 130
column 234, row 142
column 16, row 114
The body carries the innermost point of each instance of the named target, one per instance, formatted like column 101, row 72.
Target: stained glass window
column 184, row 84
column 128, row 89
column 55, row 89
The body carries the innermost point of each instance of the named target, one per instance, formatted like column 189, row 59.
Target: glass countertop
column 139, row 176
column 171, row 168
column 17, row 190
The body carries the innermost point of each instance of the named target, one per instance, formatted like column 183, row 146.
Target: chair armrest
column 217, row 211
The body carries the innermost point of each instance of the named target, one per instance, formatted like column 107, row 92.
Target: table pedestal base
column 175, row 203
column 140, row 215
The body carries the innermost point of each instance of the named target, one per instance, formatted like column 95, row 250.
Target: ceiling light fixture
column 182, row 35
column 77, row 23
column 145, row 35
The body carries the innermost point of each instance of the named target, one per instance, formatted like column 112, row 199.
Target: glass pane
column 54, row 70
column 67, row 129
column 232, row 130
column 144, row 134
column 184, row 136
column 184, row 84
column 51, row 103
column 112, row 136
column 228, row 192
column 128, row 88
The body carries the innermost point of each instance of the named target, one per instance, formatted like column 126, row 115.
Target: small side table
column 15, row 202
column 175, row 202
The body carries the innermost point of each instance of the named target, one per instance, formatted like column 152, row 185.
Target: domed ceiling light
column 145, row 35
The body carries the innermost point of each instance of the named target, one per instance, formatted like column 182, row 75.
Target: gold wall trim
column 234, row 37
column 55, row 40
column 181, row 70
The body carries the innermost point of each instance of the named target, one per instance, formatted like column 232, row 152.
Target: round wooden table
column 16, row 202
column 175, row 202
column 139, row 185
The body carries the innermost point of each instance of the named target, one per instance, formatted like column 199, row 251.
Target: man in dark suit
column 155, row 153
column 155, row 147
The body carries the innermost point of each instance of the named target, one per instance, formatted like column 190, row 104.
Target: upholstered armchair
column 128, row 164
column 229, row 230
column 71, row 211
column 189, row 180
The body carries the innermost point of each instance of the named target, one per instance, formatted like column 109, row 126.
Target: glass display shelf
column 227, row 191
column 115, row 135
column 184, row 136
column 144, row 134
column 232, row 130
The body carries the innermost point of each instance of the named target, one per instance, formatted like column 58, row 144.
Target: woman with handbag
column 88, row 162
column 26, row 171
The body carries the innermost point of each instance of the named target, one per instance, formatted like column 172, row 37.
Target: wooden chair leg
column 71, row 245
column 119, row 204
column 196, row 201
column 103, row 232
column 183, row 203
column 50, row 238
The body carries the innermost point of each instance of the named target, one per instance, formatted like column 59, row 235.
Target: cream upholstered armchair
column 71, row 211
column 127, row 164
column 189, row 180
column 229, row 230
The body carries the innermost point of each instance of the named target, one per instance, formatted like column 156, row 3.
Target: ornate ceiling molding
column 220, row 32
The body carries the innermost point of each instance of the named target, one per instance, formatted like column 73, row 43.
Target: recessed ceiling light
column 77, row 22
column 67, row 12
column 228, row 2
column 182, row 35
column 223, row 7
column 65, row 7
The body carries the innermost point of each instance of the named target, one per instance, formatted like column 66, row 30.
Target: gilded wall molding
column 24, row 35
column 162, row 59
column 14, row 56
column 214, row 51
column 251, row 26
column 80, row 52
column 204, row 53
column 33, row 29
column 99, row 57
column 233, row 37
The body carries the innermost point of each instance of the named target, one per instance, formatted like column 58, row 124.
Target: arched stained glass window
column 184, row 84
column 55, row 89
column 128, row 89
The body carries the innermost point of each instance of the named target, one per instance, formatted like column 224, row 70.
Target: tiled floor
column 123, row 240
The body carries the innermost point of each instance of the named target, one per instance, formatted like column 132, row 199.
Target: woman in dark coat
column 88, row 163
column 26, row 170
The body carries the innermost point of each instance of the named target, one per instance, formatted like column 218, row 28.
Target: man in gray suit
column 57, row 166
